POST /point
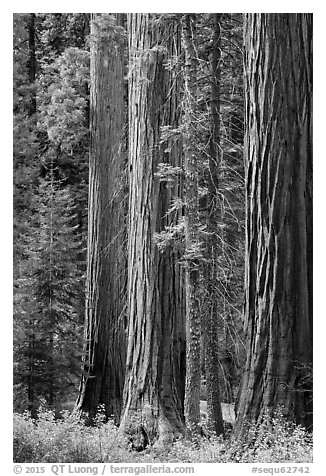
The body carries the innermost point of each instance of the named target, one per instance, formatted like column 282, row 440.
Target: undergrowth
column 68, row 439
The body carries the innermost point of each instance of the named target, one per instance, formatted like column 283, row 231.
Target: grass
column 68, row 440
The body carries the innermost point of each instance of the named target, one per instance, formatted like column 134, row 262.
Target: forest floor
column 66, row 440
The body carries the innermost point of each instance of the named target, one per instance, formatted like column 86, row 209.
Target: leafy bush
column 69, row 439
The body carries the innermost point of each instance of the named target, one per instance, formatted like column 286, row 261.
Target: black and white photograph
column 162, row 240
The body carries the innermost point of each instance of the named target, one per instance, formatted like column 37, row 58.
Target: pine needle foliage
column 49, row 313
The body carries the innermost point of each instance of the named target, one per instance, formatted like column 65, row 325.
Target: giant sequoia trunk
column 278, row 282
column 154, row 368
column 103, row 368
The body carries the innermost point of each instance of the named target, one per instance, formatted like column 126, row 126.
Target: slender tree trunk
column 31, row 371
column 103, row 368
column 154, row 371
column 212, row 312
column 31, row 63
column 193, row 324
column 278, row 282
column 49, row 305
column 31, row 66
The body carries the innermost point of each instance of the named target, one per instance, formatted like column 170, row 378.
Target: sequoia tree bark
column 154, row 381
column 278, row 281
column 103, row 366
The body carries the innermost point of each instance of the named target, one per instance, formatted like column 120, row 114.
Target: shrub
column 68, row 439
column 47, row 440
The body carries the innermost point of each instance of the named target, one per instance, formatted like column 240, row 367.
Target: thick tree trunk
column 154, row 370
column 103, row 368
column 193, row 253
column 278, row 282
column 211, row 305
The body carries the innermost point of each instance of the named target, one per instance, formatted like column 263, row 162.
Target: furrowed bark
column 154, row 369
column 278, row 281
column 103, row 367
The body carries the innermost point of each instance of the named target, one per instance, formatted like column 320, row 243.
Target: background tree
column 230, row 208
column 25, row 148
column 49, row 292
column 212, row 312
column 218, row 231
column 48, row 162
column 219, row 134
column 193, row 250
column 278, row 280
